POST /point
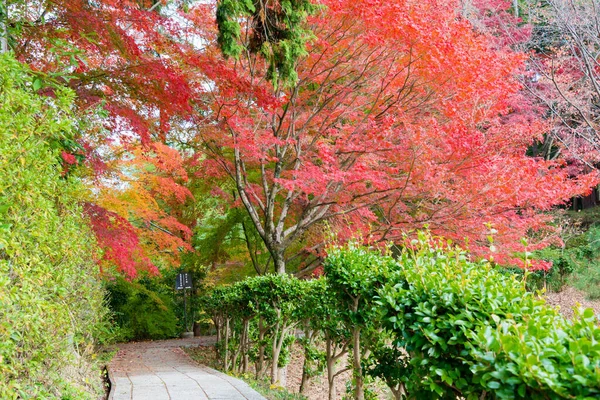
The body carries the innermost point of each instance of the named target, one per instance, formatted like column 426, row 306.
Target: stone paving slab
column 161, row 370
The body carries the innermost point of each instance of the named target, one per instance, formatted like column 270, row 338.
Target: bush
column 432, row 324
column 255, row 319
column 577, row 264
column 51, row 302
column 471, row 330
column 140, row 312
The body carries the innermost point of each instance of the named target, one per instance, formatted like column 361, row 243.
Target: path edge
column 111, row 382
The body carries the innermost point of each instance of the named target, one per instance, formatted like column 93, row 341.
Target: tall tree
column 566, row 75
column 135, row 211
column 126, row 61
column 401, row 116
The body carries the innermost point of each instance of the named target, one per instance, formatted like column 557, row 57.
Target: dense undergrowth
column 52, row 311
column 577, row 262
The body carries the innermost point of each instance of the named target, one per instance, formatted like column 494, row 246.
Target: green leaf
column 37, row 84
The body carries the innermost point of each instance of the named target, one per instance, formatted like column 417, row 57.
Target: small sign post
column 184, row 281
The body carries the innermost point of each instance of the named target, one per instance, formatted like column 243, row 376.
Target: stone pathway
column 160, row 370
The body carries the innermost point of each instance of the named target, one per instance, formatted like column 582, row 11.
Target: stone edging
column 111, row 381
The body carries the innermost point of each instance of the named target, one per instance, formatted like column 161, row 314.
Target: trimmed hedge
column 472, row 330
column 431, row 323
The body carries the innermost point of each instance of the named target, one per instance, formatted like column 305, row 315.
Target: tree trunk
column 219, row 328
column 275, row 361
column 305, row 375
column 359, row 393
column 304, row 381
column 260, row 362
column 226, row 345
column 308, row 337
column 275, row 347
column 330, row 369
column 279, row 261
column 245, row 346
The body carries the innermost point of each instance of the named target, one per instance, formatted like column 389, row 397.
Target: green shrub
column 140, row 312
column 577, row 264
column 256, row 318
column 51, row 302
column 469, row 329
column 431, row 323
column 354, row 275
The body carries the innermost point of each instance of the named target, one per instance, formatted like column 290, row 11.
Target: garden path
column 160, row 370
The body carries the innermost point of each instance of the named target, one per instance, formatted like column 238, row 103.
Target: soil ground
column 317, row 389
column 569, row 298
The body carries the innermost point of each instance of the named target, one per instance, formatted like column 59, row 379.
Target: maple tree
column 135, row 213
column 561, row 77
column 358, row 118
column 127, row 65
column 392, row 124
column 567, row 77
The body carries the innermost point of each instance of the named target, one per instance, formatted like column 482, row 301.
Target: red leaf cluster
column 119, row 241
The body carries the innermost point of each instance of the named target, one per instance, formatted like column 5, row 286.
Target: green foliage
column 256, row 318
column 51, row 302
column 577, row 264
column 149, row 307
column 467, row 328
column 141, row 311
column 564, row 262
column 586, row 270
column 277, row 33
column 354, row 275
column 431, row 323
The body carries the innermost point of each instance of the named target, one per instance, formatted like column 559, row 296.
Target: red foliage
column 403, row 116
column 116, row 52
column 119, row 241
column 149, row 193
column 68, row 158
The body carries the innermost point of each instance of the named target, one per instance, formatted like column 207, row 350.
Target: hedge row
column 51, row 302
column 430, row 323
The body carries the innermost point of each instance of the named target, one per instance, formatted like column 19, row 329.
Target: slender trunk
column 516, row 8
column 218, row 327
column 236, row 355
column 261, row 350
column 304, row 381
column 357, row 358
column 330, row 358
column 307, row 362
column 246, row 346
column 227, row 345
column 278, row 375
column 275, row 348
column 274, row 362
